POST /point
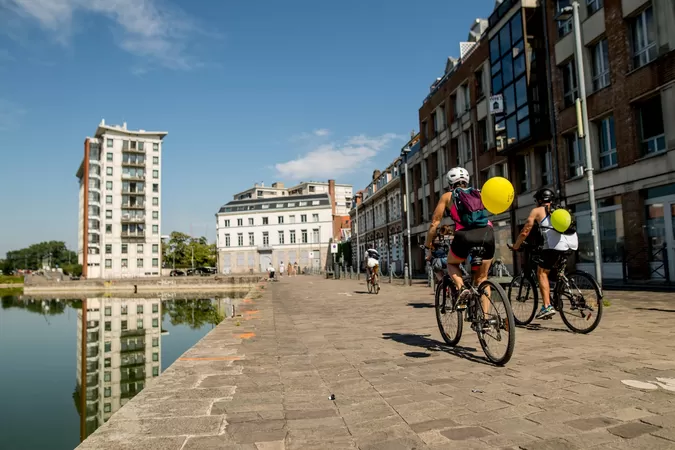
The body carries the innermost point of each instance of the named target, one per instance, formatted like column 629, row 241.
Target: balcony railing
column 134, row 176
column 134, row 376
column 131, row 361
column 92, row 366
column 136, row 234
column 134, row 192
column 140, row 205
column 133, row 219
column 130, row 348
column 131, row 163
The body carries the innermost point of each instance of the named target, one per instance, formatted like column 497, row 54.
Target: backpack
column 470, row 209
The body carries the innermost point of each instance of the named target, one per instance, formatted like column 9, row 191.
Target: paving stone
column 591, row 423
column 550, row 444
column 632, row 430
column 432, row 425
column 461, row 434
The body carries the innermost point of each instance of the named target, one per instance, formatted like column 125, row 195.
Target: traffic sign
column 333, row 248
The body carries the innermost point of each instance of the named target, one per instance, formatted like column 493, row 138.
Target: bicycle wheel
column 524, row 299
column 449, row 320
column 376, row 284
column 580, row 302
column 497, row 328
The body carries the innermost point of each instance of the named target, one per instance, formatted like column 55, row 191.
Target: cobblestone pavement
column 263, row 381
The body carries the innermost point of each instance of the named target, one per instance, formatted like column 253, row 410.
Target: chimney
column 376, row 174
column 124, row 125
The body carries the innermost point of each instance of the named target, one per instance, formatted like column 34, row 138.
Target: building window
column 155, row 357
column 140, row 145
column 155, row 159
column 108, row 311
column 155, row 174
column 593, row 6
column 139, row 248
column 155, row 201
column 523, row 170
column 107, row 376
column 303, row 218
column 569, row 82
column 644, row 38
column 155, row 371
column 125, row 263
column 291, row 219
column 139, row 324
column 108, row 249
column 545, row 167
column 250, row 221
column 466, row 94
column 607, row 139
column 281, row 238
column 266, row 238
column 139, row 263
column 107, row 325
column 240, row 239
column 107, row 407
column 303, row 234
column 155, row 342
column 108, row 263
column 240, row 222
column 482, row 135
column 600, row 65
column 563, row 27
column 155, row 146
column 109, row 157
column 107, row 346
column 107, row 362
column 575, row 155
column 155, row 262
column 108, row 199
column 108, row 170
column 292, row 232
column 109, row 143
column 108, row 185
column 315, row 236
column 155, row 323
column 108, row 229
column 226, row 224
column 108, row 214
column 139, row 309
column 651, row 126
column 125, row 248
column 155, row 187
column 265, row 221
column 123, row 324
column 155, row 229
column 480, row 91
column 155, row 215
column 251, row 239
column 227, row 240
column 155, row 248
column 107, row 392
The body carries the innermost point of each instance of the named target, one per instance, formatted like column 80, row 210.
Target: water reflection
column 119, row 346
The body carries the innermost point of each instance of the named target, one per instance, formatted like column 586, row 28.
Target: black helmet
column 544, row 195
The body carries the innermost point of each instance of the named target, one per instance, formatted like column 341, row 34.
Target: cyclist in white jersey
column 554, row 243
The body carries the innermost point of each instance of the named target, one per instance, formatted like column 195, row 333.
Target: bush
column 72, row 269
column 9, row 279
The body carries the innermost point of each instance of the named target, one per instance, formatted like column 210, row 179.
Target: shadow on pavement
column 656, row 309
column 417, row 355
column 538, row 327
column 421, row 305
column 361, row 292
column 432, row 345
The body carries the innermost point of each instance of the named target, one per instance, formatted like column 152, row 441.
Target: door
column 265, row 261
column 661, row 231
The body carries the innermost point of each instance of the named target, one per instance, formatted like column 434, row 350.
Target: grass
column 8, row 279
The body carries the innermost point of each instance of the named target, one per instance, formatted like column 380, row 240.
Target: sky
column 248, row 91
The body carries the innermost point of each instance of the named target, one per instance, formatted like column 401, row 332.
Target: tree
column 53, row 253
column 181, row 249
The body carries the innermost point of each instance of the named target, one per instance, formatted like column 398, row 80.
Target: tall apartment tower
column 120, row 203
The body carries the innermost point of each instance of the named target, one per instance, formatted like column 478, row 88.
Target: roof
column 256, row 204
column 101, row 129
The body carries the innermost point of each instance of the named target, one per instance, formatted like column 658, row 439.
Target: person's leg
column 481, row 276
column 548, row 259
column 542, row 275
column 454, row 271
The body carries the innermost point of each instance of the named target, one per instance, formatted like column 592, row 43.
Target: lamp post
column 358, row 245
column 405, row 152
column 582, row 127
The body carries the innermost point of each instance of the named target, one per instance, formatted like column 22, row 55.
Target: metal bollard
column 406, row 276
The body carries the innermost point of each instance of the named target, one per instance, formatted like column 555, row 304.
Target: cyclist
column 372, row 262
column 472, row 229
column 554, row 244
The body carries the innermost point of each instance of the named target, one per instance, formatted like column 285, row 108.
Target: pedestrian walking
column 290, row 269
column 270, row 271
column 281, row 269
column 295, row 269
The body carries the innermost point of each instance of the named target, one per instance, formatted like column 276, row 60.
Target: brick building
column 630, row 82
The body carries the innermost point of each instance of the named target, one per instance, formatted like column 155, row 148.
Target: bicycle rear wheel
column 449, row 320
column 580, row 302
column 524, row 299
column 497, row 329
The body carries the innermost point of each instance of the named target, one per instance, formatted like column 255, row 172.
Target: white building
column 120, row 203
column 118, row 351
column 254, row 232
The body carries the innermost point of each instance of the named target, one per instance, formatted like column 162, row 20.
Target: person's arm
column 527, row 228
column 437, row 217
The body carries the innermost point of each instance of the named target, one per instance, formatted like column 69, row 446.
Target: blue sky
column 247, row 90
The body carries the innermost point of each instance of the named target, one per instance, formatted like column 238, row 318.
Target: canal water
column 67, row 365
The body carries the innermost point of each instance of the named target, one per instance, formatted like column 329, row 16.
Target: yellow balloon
column 497, row 194
column 561, row 220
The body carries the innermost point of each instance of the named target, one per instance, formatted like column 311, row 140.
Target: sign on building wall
column 497, row 104
column 333, row 248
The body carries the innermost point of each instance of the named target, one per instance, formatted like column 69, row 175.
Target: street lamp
column 405, row 152
column 565, row 14
column 356, row 229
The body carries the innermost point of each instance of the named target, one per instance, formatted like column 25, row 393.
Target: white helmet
column 457, row 174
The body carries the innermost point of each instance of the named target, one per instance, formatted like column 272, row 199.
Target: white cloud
column 322, row 132
column 144, row 28
column 331, row 160
column 10, row 115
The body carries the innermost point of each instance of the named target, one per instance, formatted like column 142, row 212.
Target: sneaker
column 545, row 312
column 462, row 298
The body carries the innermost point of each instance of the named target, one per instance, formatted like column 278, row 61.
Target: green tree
column 33, row 257
column 181, row 248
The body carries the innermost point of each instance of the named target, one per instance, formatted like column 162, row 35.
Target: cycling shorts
column 465, row 240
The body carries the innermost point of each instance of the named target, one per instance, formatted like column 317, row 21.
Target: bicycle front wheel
column 524, row 299
column 496, row 326
column 449, row 320
column 580, row 301
column 370, row 285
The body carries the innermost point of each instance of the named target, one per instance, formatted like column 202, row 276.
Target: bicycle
column 373, row 282
column 574, row 286
column 498, row 325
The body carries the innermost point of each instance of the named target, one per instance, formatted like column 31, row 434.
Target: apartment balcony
column 92, row 325
column 129, row 393
column 139, row 205
column 133, row 376
column 128, row 149
column 92, row 352
column 132, row 361
column 134, row 192
column 92, row 394
column 132, row 348
column 92, row 366
column 133, row 235
column 264, row 248
column 131, row 163
column 126, row 218
column 133, row 176
column 92, row 379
